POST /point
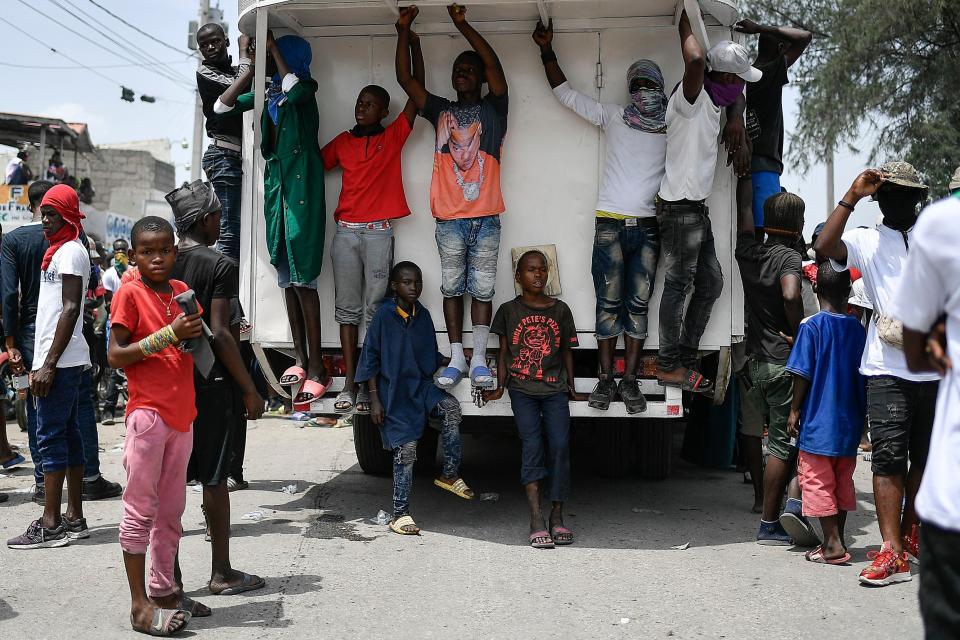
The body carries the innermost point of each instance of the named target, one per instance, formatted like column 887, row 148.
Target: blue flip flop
column 482, row 378
column 18, row 459
column 450, row 373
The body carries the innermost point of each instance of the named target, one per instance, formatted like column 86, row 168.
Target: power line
column 133, row 48
column 129, row 49
column 135, row 28
column 80, row 35
column 80, row 66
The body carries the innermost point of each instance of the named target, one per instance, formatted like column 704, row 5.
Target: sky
column 61, row 90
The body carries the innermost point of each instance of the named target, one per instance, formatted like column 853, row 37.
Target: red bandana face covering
column 65, row 201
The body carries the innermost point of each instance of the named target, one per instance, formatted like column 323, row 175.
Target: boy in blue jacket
column 398, row 362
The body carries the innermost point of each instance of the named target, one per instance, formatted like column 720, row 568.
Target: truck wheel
column 373, row 458
column 615, row 446
column 654, row 448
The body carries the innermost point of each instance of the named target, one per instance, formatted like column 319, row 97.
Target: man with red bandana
column 60, row 356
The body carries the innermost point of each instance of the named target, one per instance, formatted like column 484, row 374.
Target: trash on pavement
column 682, row 547
column 256, row 516
column 381, row 518
column 489, row 497
column 624, row 621
column 653, row 511
column 290, row 488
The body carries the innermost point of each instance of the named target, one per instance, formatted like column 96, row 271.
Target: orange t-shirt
column 467, row 152
column 163, row 382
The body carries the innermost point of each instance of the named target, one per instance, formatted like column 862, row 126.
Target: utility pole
column 830, row 192
column 197, row 151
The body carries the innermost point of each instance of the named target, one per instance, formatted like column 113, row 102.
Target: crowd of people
column 813, row 375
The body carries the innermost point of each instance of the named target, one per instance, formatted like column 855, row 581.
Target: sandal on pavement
column 449, row 378
column 603, row 394
column 397, row 526
column 816, row 555
column 561, row 535
column 482, row 378
column 541, row 540
column 458, row 488
column 14, row 461
column 160, row 625
column 694, row 382
column 345, row 403
column 362, row 403
column 292, row 376
column 249, row 583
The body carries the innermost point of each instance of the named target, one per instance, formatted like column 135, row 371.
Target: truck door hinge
column 599, row 75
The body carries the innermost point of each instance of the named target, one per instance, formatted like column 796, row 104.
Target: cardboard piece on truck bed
column 553, row 287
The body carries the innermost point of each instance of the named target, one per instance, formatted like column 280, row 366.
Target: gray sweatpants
column 362, row 259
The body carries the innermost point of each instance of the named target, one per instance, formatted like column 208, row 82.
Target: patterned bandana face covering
column 648, row 108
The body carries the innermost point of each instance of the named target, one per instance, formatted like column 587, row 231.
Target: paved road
column 332, row 573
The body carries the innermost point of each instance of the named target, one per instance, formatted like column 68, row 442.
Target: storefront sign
column 14, row 204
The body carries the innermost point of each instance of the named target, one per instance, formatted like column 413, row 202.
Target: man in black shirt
column 227, row 396
column 221, row 162
column 771, row 275
column 778, row 49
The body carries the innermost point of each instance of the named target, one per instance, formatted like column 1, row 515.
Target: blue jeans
column 448, row 410
column 765, row 184
column 544, row 426
column 87, row 417
column 469, row 248
column 225, row 172
column 624, row 269
column 58, row 426
column 689, row 258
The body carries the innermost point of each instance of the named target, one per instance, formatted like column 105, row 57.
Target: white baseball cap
column 729, row 57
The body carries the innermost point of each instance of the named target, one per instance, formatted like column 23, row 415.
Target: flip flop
column 397, row 526
column 348, row 398
column 801, row 532
column 250, row 583
column 816, row 555
column 694, row 382
column 482, row 378
column 311, row 390
column 561, row 536
column 542, row 535
column 193, row 607
column 458, row 488
column 14, row 461
column 449, row 378
column 292, row 376
column 363, row 401
column 160, row 625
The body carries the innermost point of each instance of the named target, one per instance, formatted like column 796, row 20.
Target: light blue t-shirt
column 827, row 352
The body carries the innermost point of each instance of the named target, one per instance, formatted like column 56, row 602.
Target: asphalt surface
column 332, row 573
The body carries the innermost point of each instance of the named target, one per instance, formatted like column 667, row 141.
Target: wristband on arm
column 158, row 341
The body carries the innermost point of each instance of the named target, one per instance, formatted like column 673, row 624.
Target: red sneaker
column 911, row 545
column 888, row 567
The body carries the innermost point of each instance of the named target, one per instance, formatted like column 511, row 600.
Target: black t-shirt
column 534, row 338
column 211, row 275
column 212, row 80
column 761, row 267
column 765, row 100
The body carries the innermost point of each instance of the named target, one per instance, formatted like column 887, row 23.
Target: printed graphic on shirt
column 537, row 337
column 466, row 169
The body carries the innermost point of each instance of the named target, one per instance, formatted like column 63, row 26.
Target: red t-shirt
column 372, row 178
column 163, row 382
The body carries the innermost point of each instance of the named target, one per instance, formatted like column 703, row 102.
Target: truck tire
column 654, row 448
column 615, row 446
column 373, row 458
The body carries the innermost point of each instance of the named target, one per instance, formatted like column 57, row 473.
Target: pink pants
column 155, row 457
column 826, row 483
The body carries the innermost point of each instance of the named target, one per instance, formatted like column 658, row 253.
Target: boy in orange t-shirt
column 146, row 331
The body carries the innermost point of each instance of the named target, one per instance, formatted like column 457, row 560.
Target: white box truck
column 552, row 165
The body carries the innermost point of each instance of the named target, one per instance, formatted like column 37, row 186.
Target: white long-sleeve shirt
column 635, row 160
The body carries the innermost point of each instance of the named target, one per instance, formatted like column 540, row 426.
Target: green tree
column 889, row 64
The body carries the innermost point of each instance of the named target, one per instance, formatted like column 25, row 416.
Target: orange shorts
column 827, row 484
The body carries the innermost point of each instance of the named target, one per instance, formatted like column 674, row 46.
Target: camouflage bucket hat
column 955, row 181
column 903, row 174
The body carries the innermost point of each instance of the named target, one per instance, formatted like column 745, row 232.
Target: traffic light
column 126, row 94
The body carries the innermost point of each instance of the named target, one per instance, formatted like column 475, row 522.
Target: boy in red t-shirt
column 371, row 196
column 146, row 329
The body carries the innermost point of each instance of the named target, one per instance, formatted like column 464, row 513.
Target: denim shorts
column 624, row 268
column 283, row 272
column 900, row 414
column 469, row 248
